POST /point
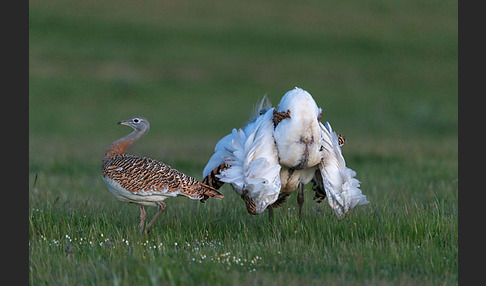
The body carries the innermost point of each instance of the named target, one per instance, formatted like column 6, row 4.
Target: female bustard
column 283, row 149
column 145, row 181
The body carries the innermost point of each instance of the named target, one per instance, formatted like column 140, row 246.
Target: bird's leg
column 162, row 206
column 270, row 214
column 300, row 199
column 143, row 215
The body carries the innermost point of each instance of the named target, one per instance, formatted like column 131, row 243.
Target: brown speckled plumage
column 211, row 179
column 249, row 203
column 279, row 116
column 341, row 139
column 144, row 175
column 318, row 187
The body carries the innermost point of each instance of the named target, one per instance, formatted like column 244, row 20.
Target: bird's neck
column 119, row 146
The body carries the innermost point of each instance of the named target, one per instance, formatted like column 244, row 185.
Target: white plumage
column 297, row 137
column 282, row 150
column 252, row 155
column 342, row 188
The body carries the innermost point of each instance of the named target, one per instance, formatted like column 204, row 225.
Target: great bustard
column 283, row 149
column 145, row 181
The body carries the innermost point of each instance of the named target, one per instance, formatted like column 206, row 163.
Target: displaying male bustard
column 282, row 150
column 145, row 181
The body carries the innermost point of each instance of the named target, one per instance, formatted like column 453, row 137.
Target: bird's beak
column 123, row 122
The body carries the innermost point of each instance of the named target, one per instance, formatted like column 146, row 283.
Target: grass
column 384, row 73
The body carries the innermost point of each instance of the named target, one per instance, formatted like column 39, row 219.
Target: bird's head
column 138, row 123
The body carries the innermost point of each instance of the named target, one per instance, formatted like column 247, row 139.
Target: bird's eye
column 136, row 120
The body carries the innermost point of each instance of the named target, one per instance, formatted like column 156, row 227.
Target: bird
column 280, row 150
column 146, row 181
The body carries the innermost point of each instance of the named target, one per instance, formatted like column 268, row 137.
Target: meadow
column 385, row 74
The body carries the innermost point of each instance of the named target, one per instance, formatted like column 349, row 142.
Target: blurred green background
column 382, row 72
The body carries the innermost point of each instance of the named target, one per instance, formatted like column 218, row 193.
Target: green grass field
column 384, row 73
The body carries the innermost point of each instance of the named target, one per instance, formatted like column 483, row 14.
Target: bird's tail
column 207, row 191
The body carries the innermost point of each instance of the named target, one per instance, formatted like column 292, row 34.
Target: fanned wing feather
column 252, row 155
column 235, row 154
column 340, row 184
column 219, row 153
